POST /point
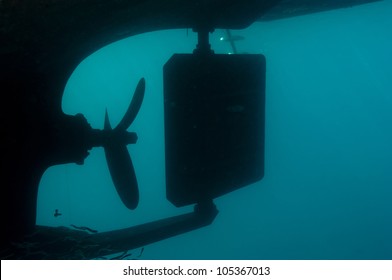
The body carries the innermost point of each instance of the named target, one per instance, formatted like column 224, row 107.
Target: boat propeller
column 115, row 141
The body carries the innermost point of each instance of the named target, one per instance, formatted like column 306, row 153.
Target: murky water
column 326, row 193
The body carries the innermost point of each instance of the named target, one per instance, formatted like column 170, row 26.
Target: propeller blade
column 107, row 125
column 123, row 174
column 134, row 107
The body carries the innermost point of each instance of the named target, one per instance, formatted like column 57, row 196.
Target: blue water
column 327, row 189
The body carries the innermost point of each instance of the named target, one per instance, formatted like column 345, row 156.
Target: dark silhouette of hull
column 42, row 42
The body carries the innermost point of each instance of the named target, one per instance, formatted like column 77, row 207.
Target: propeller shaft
column 104, row 138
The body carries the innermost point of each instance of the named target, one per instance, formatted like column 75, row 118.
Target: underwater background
column 327, row 188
